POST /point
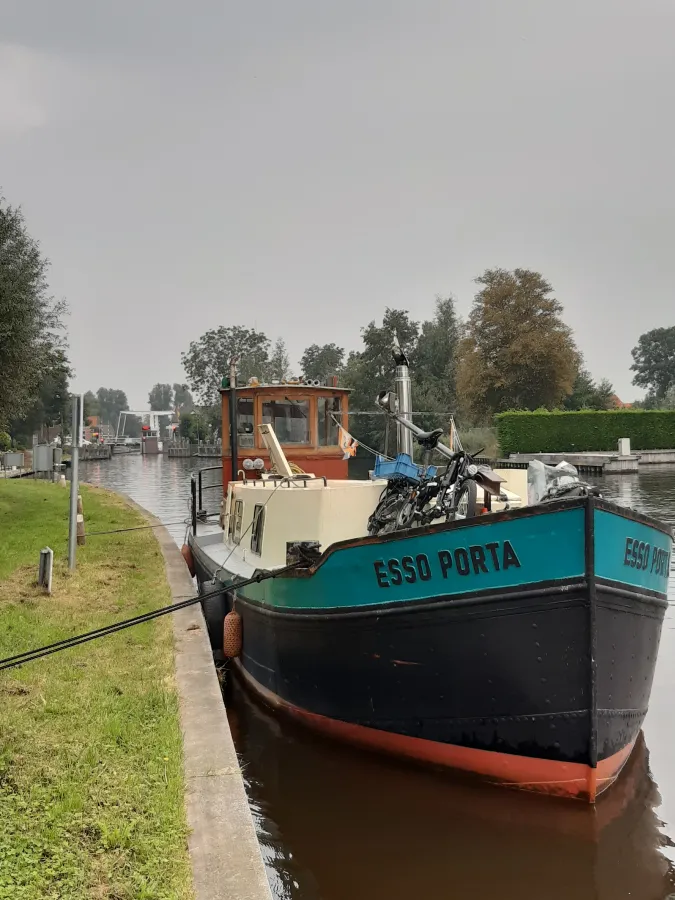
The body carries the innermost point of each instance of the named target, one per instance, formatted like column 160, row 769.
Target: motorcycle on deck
column 419, row 495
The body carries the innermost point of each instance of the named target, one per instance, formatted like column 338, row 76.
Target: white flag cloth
column 348, row 444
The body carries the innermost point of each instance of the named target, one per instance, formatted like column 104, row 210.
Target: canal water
column 339, row 824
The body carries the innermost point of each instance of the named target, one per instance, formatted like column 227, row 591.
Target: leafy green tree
column 321, row 361
column 278, row 366
column 161, row 397
column 91, row 407
column 182, row 398
column 434, row 376
column 133, row 426
column 517, row 353
column 111, row 402
column 30, row 321
column 588, row 394
column 51, row 406
column 372, row 370
column 201, row 424
column 654, row 361
column 669, row 398
column 207, row 359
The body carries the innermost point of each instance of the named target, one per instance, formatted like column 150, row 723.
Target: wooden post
column 80, row 522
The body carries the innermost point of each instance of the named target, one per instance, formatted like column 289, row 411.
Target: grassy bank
column 91, row 777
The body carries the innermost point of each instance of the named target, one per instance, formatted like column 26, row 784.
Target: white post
column 45, row 569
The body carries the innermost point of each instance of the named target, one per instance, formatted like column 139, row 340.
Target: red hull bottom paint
column 548, row 776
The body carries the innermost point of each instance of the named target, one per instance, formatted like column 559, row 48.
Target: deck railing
column 197, row 488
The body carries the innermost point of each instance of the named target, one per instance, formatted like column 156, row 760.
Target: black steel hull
column 544, row 686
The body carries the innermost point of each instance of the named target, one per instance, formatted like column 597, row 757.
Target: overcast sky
column 299, row 165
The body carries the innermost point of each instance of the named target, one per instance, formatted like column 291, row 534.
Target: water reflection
column 336, row 823
column 159, row 484
column 347, row 824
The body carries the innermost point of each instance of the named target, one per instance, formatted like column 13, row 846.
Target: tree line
column 513, row 351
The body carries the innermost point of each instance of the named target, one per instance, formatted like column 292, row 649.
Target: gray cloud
column 299, row 166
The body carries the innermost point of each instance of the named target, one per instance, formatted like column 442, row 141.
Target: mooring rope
column 136, row 528
column 19, row 659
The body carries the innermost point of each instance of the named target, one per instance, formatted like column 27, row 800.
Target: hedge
column 587, row 430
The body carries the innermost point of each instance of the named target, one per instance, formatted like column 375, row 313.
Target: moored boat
column 519, row 645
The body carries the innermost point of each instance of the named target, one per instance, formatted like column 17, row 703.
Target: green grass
column 91, row 774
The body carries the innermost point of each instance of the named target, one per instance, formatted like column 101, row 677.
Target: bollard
column 45, row 569
column 80, row 530
column 80, row 523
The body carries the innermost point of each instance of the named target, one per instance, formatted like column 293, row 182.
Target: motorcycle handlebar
column 442, row 449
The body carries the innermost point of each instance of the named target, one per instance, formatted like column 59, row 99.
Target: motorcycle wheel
column 465, row 507
column 406, row 515
column 384, row 519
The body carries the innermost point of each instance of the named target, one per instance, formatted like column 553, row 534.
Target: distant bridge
column 150, row 417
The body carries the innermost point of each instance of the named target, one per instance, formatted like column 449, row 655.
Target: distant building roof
column 619, row 404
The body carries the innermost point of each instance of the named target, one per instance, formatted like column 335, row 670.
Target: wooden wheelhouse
column 305, row 420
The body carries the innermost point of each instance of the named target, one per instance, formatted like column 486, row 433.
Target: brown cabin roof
column 286, row 386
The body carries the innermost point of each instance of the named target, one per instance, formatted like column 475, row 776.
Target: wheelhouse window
column 329, row 412
column 258, row 526
column 245, row 422
column 289, row 418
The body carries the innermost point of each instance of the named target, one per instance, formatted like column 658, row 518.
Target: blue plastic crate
column 401, row 467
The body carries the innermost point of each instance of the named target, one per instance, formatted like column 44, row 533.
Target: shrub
column 583, row 431
column 5, row 441
column 474, row 439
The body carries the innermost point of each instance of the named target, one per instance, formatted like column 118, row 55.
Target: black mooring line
column 19, row 659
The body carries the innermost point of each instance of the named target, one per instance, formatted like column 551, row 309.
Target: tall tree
column 161, row 397
column 182, row 398
column 202, row 424
column 588, row 394
column 50, row 407
column 435, row 358
column 372, row 369
column 321, row 361
column 278, row 366
column 517, row 353
column 654, row 361
column 111, row 402
column 207, row 359
column 30, row 321
column 669, row 398
column 91, row 406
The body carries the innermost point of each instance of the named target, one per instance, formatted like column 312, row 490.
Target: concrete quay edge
column 225, row 855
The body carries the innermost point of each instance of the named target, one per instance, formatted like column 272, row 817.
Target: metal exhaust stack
column 234, row 448
column 404, row 438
